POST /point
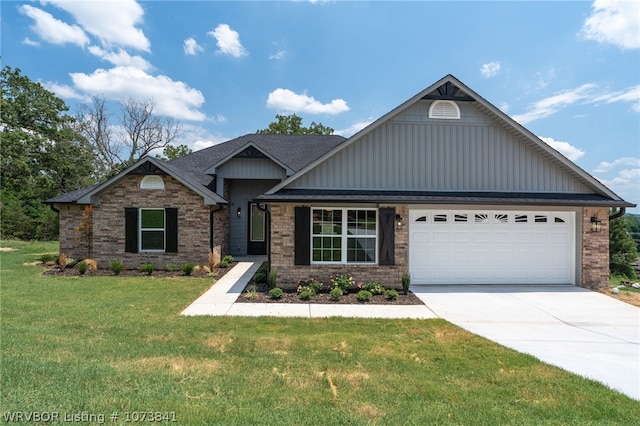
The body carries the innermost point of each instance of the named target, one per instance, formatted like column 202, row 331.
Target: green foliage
column 292, row 125
column 187, row 268
column 311, row 284
column 148, row 267
column 41, row 156
column 276, row 293
column 116, row 266
column 306, row 293
column 252, row 292
column 364, row 296
column 374, row 288
column 336, row 293
column 82, row 267
column 273, row 278
column 622, row 249
column 406, row 281
column 261, row 274
column 343, row 282
column 392, row 294
column 171, row 152
column 228, row 258
column 633, row 226
column 48, row 257
column 223, row 264
column 172, row 267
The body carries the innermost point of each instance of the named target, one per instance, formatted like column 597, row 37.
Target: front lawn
column 104, row 345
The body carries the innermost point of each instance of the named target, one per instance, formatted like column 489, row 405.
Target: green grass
column 104, row 344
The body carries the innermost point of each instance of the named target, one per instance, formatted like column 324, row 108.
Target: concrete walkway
column 581, row 331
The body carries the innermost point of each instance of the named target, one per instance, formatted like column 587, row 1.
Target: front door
column 257, row 226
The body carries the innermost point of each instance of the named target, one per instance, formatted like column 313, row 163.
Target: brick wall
column 282, row 255
column 70, row 217
column 595, row 250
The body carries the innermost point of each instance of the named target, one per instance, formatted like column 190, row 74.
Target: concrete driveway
column 579, row 330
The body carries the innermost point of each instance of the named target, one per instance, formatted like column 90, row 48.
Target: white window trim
column 164, row 231
column 152, row 182
column 344, row 236
column 444, row 117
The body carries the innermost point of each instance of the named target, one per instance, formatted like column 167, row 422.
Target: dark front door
column 257, row 227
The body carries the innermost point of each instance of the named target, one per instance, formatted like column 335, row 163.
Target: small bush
column 306, row 293
column 364, row 296
column 116, row 266
column 261, row 274
column 273, row 278
column 228, row 258
column 48, row 257
column 252, row 292
column 82, row 267
column 406, row 281
column 374, row 288
column 172, row 267
column 343, row 282
column 148, row 267
column 62, row 261
column 310, row 283
column 336, row 294
column 392, row 295
column 276, row 293
column 223, row 264
column 187, row 268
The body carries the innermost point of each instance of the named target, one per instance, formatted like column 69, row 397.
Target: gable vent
column 444, row 109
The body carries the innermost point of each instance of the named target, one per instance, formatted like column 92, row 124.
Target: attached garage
column 492, row 247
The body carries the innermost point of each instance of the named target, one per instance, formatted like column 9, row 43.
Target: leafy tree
column 633, row 226
column 292, row 125
column 172, row 152
column 622, row 249
column 41, row 156
column 119, row 145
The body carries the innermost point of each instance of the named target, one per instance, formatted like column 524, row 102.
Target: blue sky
column 568, row 71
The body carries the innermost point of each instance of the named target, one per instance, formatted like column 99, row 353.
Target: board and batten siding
column 413, row 152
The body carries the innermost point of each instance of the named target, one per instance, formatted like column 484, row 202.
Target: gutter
column 621, row 211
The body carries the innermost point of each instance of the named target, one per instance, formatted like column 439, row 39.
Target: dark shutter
column 387, row 217
column 302, row 239
column 171, row 229
column 131, row 229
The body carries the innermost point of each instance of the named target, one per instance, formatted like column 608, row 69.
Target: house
column 445, row 186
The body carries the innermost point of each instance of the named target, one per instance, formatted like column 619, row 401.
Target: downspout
column 267, row 212
column 618, row 214
column 53, row 208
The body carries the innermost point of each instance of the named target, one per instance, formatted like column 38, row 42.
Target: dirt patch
column 7, row 249
column 630, row 297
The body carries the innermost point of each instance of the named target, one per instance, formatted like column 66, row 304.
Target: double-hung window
column 152, row 230
column 343, row 235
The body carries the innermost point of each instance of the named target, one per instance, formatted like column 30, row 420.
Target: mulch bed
column 291, row 296
column 53, row 269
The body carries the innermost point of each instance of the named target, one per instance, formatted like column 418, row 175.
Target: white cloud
column 354, row 128
column 625, row 177
column 53, row 30
column 604, row 166
column 191, row 47
column 614, row 22
column 278, row 55
column 551, row 105
column 171, row 98
column 565, row 148
column 228, row 41
column 287, row 100
column 490, row 70
column 114, row 23
column 30, row 42
column 631, row 94
column 65, row 92
column 121, row 58
column 197, row 138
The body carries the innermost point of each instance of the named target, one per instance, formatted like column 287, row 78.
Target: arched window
column 444, row 109
column 152, row 182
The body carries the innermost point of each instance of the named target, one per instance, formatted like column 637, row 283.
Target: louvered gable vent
column 444, row 109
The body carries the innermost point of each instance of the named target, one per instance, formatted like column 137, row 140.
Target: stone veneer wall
column 595, row 250
column 69, row 218
column 282, row 254
column 193, row 223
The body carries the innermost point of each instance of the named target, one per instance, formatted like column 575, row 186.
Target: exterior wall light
column 596, row 224
column 398, row 222
column 239, row 212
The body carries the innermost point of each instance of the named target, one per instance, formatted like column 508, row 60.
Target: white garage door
column 491, row 247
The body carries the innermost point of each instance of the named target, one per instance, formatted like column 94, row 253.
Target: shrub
column 252, row 292
column 336, row 293
column 62, row 261
column 228, row 258
column 310, row 283
column 223, row 264
column 261, row 274
column 374, row 288
column 273, row 278
column 343, row 282
column 276, row 293
column 148, row 267
column 406, row 281
column 172, row 267
column 48, row 257
column 306, row 293
column 392, row 295
column 116, row 266
column 187, row 268
column 364, row 296
column 82, row 267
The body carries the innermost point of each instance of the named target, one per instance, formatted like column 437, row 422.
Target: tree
column 41, row 156
column 172, row 152
column 292, row 125
column 622, row 249
column 139, row 132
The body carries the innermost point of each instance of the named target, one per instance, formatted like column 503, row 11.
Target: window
column 152, row 182
column 343, row 236
column 444, row 109
column 152, row 229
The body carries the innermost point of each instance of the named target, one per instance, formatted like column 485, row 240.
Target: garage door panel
column 492, row 247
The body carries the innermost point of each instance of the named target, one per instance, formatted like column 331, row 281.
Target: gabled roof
column 450, row 88
column 251, row 146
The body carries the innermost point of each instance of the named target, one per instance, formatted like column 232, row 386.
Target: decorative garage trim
column 492, row 247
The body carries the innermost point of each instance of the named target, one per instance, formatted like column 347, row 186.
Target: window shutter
column 171, row 229
column 131, row 229
column 387, row 217
column 302, row 239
